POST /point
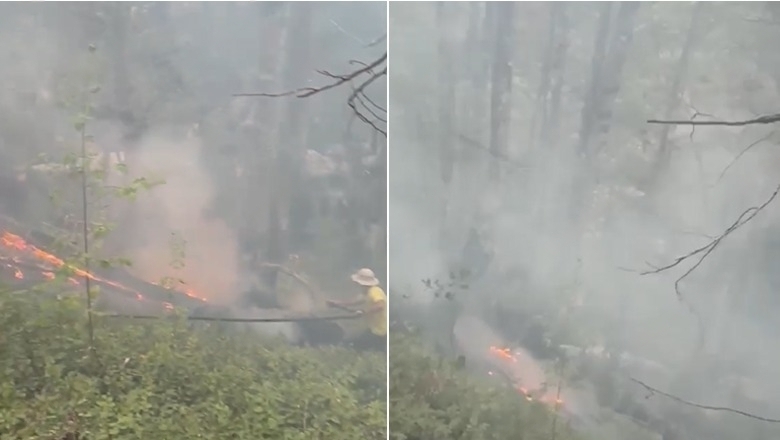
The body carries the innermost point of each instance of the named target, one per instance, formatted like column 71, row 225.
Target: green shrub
column 433, row 399
column 169, row 380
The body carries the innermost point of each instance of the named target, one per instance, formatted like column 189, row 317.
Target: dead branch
column 767, row 119
column 368, row 72
column 652, row 391
column 704, row 251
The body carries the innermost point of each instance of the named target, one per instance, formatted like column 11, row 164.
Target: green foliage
column 434, row 399
column 168, row 380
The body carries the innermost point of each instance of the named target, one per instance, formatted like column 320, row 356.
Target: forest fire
column 507, row 357
column 17, row 258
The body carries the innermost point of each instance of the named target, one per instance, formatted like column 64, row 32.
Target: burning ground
column 488, row 353
column 25, row 264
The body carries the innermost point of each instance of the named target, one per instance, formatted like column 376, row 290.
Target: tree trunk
column 481, row 35
column 673, row 100
column 446, row 90
column 611, row 76
column 294, row 126
column 547, row 136
column 289, row 140
column 607, row 65
column 597, row 63
column 447, row 28
column 544, row 78
column 551, row 119
column 273, row 237
column 501, row 83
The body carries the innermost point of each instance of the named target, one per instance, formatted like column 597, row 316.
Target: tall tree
column 550, row 119
column 264, row 167
column 548, row 94
column 503, row 17
column 609, row 56
column 613, row 40
column 445, row 14
column 673, row 99
column 447, row 31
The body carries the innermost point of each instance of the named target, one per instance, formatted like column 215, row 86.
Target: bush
column 434, row 399
column 169, row 380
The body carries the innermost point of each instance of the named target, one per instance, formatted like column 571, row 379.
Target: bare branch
column 360, row 91
column 344, row 31
column 767, row 119
column 652, row 391
column 745, row 150
column 357, row 100
column 372, row 43
column 704, row 251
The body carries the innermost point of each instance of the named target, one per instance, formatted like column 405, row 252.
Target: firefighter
column 372, row 303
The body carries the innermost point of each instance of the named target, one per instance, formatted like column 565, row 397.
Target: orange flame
column 503, row 353
column 181, row 288
column 506, row 355
column 16, row 242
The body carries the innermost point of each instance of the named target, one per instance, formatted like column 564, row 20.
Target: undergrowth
column 167, row 379
column 434, row 399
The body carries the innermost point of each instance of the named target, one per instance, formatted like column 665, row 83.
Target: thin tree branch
column 745, row 150
column 360, row 91
column 344, row 31
column 767, row 119
column 305, row 92
column 652, row 391
column 374, row 70
column 704, row 251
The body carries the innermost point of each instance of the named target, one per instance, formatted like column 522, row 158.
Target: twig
column 745, row 150
column 768, row 119
column 696, row 114
column 707, row 249
column 344, row 31
column 652, row 391
column 215, row 319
